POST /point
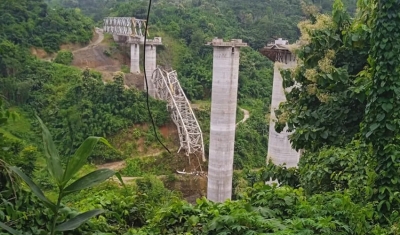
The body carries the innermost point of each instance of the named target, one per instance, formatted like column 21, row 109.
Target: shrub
column 335, row 168
column 64, row 57
column 125, row 69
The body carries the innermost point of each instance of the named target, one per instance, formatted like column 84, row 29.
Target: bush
column 136, row 167
column 125, row 69
column 266, row 210
column 335, row 168
column 107, row 53
column 64, row 57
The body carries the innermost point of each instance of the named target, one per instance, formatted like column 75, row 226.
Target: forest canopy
column 33, row 23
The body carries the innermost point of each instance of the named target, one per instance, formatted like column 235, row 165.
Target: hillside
column 55, row 64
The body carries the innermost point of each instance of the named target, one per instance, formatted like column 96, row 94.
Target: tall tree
column 381, row 125
column 322, row 107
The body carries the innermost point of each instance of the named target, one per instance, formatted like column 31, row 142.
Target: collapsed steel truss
column 169, row 89
column 124, row 26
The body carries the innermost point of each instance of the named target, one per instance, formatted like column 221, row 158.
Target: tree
column 5, row 175
column 64, row 57
column 326, row 102
column 11, row 58
column 381, row 125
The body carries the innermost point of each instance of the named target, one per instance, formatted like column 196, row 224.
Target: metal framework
column 166, row 85
column 278, row 51
column 124, row 26
column 169, row 89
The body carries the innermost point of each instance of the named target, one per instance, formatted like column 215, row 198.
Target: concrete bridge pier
column 223, row 118
column 135, row 51
column 151, row 63
column 280, row 150
column 116, row 38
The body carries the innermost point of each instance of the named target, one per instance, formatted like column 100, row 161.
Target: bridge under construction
column 162, row 84
column 165, row 85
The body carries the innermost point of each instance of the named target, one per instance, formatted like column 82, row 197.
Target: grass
column 125, row 68
column 202, row 102
column 108, row 38
column 203, row 105
column 20, row 128
column 162, row 164
column 8, row 135
column 138, row 140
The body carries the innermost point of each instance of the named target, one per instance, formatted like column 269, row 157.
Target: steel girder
column 169, row 89
column 124, row 26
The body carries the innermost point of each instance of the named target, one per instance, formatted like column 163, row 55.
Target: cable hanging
column 145, row 78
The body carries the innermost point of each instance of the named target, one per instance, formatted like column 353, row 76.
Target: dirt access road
column 93, row 57
column 116, row 166
column 246, row 116
column 98, row 39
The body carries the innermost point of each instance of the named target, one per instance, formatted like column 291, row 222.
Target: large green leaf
column 118, row 175
column 78, row 220
column 8, row 229
column 80, row 157
column 89, row 180
column 35, row 189
column 52, row 157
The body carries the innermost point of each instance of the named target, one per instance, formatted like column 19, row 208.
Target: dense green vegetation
column 341, row 99
column 64, row 57
column 62, row 177
column 343, row 115
column 33, row 23
column 75, row 104
column 316, row 108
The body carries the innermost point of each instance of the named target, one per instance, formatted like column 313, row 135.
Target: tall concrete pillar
column 116, row 38
column 279, row 148
column 135, row 48
column 151, row 65
column 223, row 118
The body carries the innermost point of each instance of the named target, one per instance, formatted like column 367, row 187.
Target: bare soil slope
column 93, row 57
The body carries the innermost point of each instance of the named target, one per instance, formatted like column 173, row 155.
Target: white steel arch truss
column 169, row 89
column 124, row 26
